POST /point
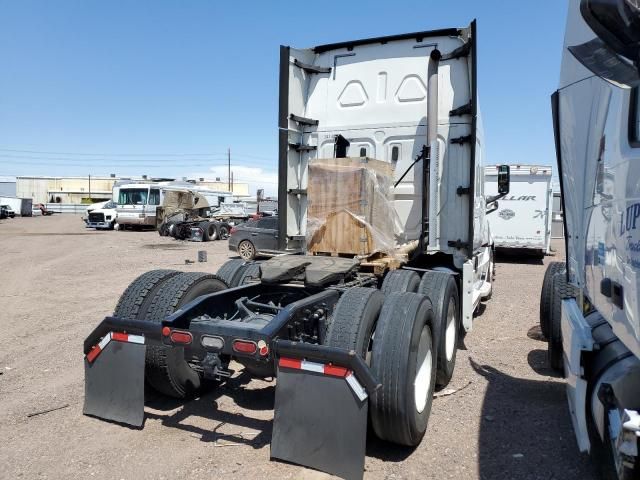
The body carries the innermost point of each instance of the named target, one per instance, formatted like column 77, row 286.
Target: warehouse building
column 91, row 189
column 7, row 187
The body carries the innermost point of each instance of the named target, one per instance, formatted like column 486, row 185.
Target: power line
column 137, row 165
column 114, row 160
column 120, row 154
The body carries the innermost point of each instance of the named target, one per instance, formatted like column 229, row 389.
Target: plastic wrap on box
column 350, row 209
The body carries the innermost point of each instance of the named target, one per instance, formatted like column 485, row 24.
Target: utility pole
column 89, row 188
column 229, row 164
column 231, row 189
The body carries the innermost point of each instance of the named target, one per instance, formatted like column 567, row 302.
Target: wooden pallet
column 379, row 263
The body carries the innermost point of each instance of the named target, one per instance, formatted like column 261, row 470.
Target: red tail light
column 233, row 230
column 184, row 338
column 245, row 346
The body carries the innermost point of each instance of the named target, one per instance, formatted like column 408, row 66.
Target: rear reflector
column 166, row 331
column 335, row 371
column 116, row 336
column 290, row 363
column 245, row 346
column 184, row 338
column 325, row 369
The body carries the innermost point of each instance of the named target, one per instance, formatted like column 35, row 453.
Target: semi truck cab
column 589, row 306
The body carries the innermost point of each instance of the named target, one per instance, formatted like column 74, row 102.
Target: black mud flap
column 114, row 382
column 320, row 420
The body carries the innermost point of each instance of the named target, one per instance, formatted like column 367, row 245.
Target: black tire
column 354, row 319
column 399, row 413
column 213, row 231
column 166, row 369
column 204, row 225
column 135, row 299
column 246, row 250
column 442, row 291
column 230, row 270
column 223, row 231
column 250, row 273
column 400, row 281
column 172, row 229
column 561, row 291
column 546, row 295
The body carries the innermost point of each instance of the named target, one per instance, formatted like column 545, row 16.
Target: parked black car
column 255, row 237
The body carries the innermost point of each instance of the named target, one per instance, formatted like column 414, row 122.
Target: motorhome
column 137, row 203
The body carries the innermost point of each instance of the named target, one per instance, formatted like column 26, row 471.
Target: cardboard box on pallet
column 350, row 210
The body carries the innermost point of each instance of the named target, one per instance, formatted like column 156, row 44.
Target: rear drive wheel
column 250, row 273
column 400, row 281
column 546, row 295
column 212, row 230
column 404, row 361
column 441, row 289
column 204, row 226
column 223, row 231
column 230, row 271
column 247, row 250
column 166, row 369
column 354, row 319
column 134, row 300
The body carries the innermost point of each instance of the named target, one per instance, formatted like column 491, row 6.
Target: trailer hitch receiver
column 114, row 379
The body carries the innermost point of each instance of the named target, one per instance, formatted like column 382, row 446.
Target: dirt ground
column 509, row 420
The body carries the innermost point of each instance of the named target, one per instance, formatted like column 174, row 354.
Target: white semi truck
column 522, row 222
column 589, row 307
column 383, row 132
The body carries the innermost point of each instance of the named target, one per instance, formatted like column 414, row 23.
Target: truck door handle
column 254, row 234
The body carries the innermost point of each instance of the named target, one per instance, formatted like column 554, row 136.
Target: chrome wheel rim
column 422, row 382
column 245, row 250
column 451, row 331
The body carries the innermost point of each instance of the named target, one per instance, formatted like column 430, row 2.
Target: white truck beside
column 590, row 309
column 102, row 215
column 522, row 222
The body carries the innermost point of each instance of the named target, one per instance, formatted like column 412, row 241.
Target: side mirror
column 504, row 179
column 614, row 54
column 616, row 22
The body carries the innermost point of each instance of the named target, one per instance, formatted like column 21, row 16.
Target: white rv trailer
column 522, row 221
column 590, row 309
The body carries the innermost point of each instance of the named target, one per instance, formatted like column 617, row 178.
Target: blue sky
column 173, row 79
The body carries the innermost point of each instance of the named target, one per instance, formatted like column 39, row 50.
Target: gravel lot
column 58, row 280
